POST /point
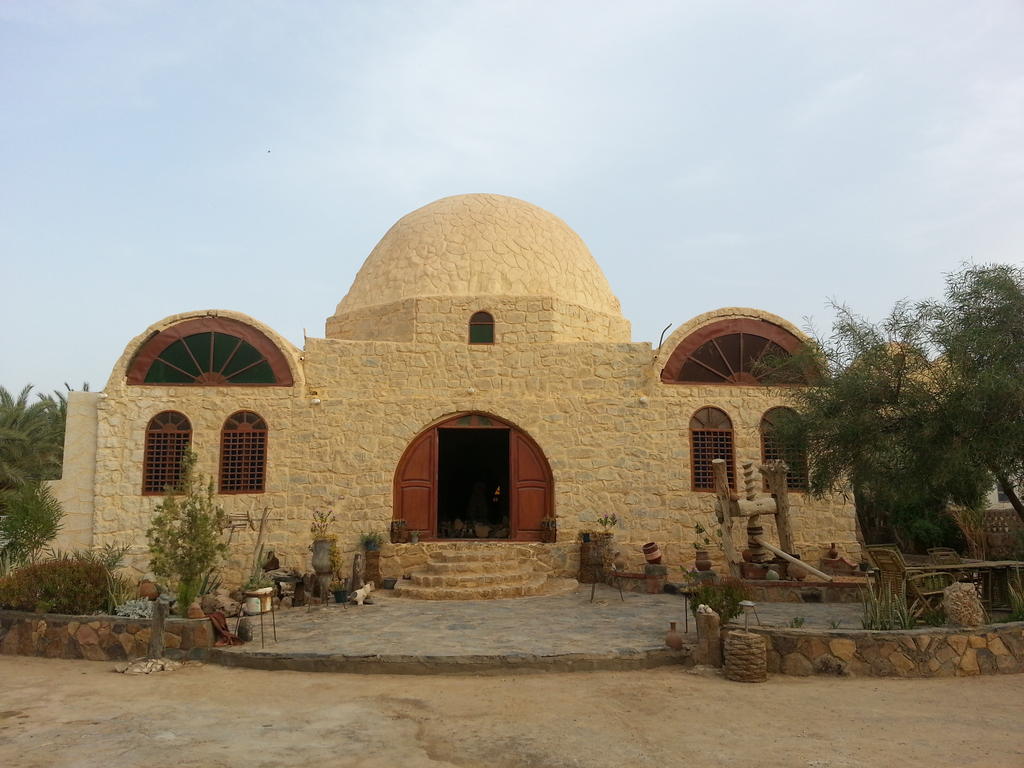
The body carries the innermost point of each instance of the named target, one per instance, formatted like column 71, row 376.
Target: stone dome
column 480, row 245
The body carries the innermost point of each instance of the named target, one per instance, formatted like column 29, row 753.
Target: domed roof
column 480, row 245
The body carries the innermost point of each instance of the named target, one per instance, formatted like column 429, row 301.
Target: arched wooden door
column 530, row 488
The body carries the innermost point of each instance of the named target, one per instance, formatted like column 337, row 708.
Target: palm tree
column 31, row 436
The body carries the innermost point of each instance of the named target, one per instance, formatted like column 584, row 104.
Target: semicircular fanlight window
column 210, row 357
column 735, row 358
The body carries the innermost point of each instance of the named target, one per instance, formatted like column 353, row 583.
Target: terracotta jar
column 702, row 560
column 652, row 553
column 673, row 639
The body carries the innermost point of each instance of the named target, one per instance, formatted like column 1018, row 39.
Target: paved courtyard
column 533, row 626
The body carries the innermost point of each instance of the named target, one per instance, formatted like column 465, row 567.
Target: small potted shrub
column 548, row 529
column 258, row 591
column 340, row 591
column 371, row 541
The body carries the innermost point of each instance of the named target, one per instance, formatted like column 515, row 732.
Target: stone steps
column 481, row 572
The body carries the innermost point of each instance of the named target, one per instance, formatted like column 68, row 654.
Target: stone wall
column 930, row 652
column 804, row 591
column 615, row 436
column 97, row 638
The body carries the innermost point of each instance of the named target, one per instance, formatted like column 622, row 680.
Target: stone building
column 477, row 380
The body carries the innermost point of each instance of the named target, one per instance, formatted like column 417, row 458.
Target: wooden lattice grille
column 168, row 436
column 772, row 449
column 243, row 454
column 710, row 438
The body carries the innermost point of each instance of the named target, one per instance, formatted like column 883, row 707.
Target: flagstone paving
column 532, row 626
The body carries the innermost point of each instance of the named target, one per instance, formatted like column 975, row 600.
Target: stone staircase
column 479, row 572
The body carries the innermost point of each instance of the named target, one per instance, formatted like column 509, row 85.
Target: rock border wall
column 97, row 638
column 994, row 649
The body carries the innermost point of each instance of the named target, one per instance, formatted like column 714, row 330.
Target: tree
column 872, row 423
column 31, row 438
column 185, row 535
column 979, row 331
column 32, row 520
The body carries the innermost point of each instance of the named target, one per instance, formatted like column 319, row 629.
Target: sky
column 161, row 157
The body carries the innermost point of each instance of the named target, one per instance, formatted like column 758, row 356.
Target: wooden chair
column 922, row 589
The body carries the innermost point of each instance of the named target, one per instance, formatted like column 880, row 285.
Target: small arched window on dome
column 168, row 436
column 481, row 328
column 243, row 453
column 773, row 449
column 710, row 438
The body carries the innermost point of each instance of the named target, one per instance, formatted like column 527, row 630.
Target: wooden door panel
column 531, row 488
column 415, row 484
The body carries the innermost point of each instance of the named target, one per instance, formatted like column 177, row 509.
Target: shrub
column 70, row 584
column 184, row 537
column 882, row 610
column 31, row 519
column 723, row 598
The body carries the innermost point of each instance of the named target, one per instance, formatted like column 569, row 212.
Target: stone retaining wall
column 98, row 638
column 929, row 652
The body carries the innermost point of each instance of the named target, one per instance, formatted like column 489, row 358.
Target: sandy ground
column 78, row 713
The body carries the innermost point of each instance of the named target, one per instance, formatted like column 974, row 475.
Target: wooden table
column 992, row 575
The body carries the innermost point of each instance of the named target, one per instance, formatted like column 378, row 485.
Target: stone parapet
column 97, row 638
column 930, row 652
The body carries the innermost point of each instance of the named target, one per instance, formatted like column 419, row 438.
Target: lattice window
column 772, row 449
column 243, row 453
column 168, row 436
column 710, row 438
column 481, row 328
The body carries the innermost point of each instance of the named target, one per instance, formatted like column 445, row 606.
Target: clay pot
column 652, row 553
column 752, row 571
column 702, row 560
column 833, row 552
column 322, row 556
column 673, row 639
column 148, row 589
column 195, row 612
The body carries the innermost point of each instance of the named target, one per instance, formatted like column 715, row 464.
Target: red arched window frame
column 210, row 351
column 168, row 437
column 773, row 450
column 711, row 437
column 730, row 352
column 481, row 328
column 243, row 453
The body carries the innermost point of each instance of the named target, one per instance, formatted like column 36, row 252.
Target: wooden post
column 156, row 632
column 724, row 510
column 775, row 476
column 709, row 639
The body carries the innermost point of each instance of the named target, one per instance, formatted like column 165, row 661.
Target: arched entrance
column 474, row 476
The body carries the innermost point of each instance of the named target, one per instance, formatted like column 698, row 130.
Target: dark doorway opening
column 472, row 484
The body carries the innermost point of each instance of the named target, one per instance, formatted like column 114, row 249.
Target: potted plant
column 607, row 523
column 258, row 591
column 399, row 532
column 340, row 590
column 371, row 541
column 701, row 543
column 548, row 529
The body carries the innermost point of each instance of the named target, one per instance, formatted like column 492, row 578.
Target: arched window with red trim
column 772, row 449
column 739, row 351
column 168, row 437
column 710, row 438
column 243, row 453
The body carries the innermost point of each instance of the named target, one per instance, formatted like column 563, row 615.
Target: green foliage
column 934, row 617
column 797, row 621
column 185, row 535
column 978, row 331
column 32, row 520
column 834, row 623
column 72, row 584
column 873, row 421
column 723, row 598
column 371, row 541
column 884, row 611
column 608, row 521
column 1016, row 595
column 322, row 522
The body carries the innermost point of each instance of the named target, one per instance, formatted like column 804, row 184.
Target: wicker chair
column 922, row 589
column 944, row 556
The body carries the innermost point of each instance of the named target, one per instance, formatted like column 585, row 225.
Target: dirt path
column 77, row 713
